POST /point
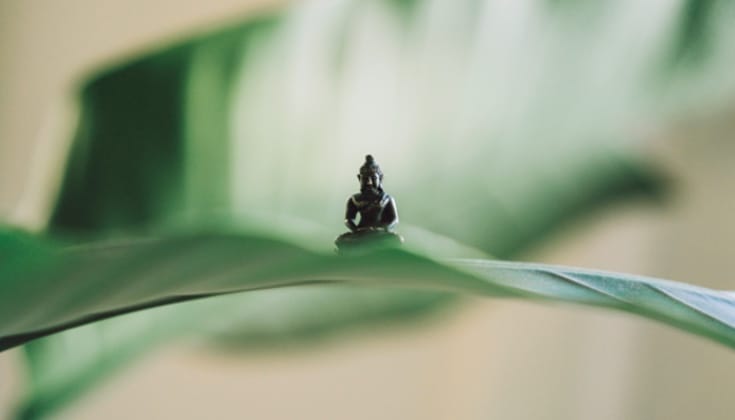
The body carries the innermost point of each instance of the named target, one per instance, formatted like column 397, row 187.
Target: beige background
column 491, row 359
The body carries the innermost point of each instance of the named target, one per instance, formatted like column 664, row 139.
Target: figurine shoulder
column 357, row 200
column 387, row 199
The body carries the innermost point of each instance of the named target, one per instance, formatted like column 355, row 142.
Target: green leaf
column 507, row 132
column 101, row 280
column 161, row 146
column 64, row 366
column 198, row 152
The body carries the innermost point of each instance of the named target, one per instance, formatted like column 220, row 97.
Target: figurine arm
column 350, row 215
column 390, row 215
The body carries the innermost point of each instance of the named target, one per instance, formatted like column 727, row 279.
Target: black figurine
column 377, row 210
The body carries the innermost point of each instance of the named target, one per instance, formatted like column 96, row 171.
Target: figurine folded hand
column 370, row 229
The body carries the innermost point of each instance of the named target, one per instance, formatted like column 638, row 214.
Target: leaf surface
column 102, row 280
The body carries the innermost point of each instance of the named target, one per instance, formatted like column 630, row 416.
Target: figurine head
column 370, row 176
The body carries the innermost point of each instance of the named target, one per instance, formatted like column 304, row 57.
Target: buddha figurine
column 376, row 209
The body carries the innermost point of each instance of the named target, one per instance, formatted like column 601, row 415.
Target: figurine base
column 351, row 242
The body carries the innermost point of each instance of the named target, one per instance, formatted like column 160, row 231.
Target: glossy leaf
column 103, row 280
column 107, row 279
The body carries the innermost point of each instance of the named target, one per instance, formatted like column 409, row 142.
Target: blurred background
column 552, row 131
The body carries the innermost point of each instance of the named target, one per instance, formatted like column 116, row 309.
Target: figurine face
column 369, row 182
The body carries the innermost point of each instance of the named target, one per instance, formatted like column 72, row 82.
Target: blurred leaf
column 259, row 119
column 494, row 122
column 694, row 34
column 64, row 366
column 161, row 146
